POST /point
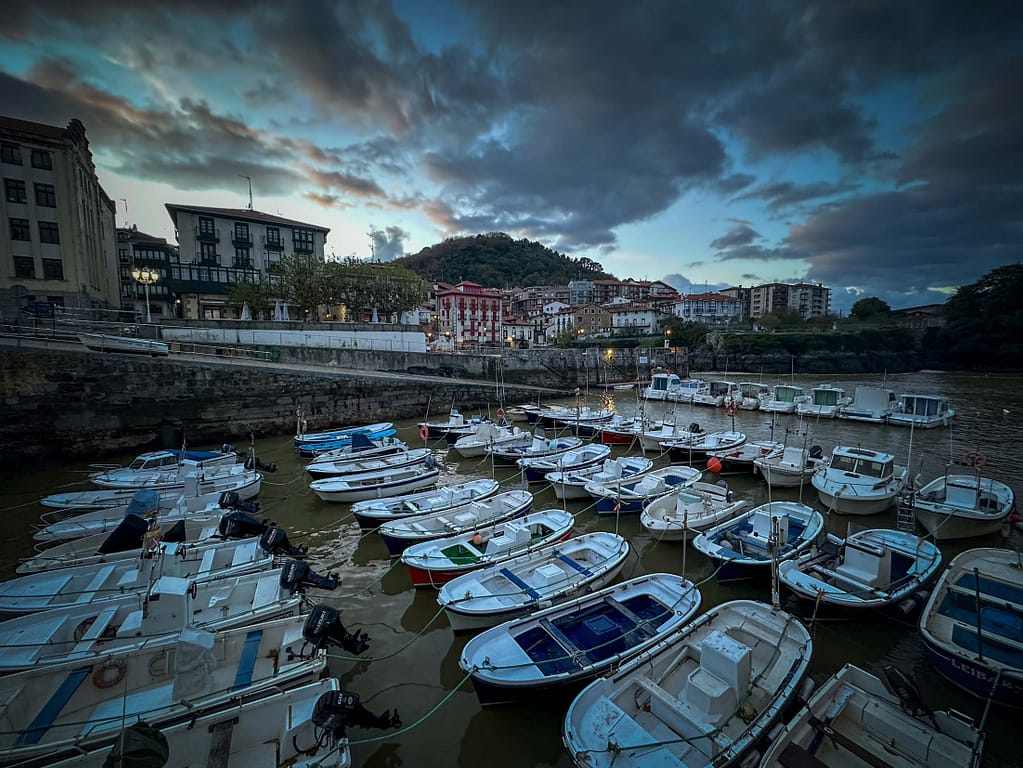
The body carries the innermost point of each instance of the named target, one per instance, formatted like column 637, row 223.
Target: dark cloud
column 732, row 184
column 782, row 195
column 388, row 243
column 738, row 235
column 353, row 185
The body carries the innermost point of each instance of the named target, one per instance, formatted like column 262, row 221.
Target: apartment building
column 470, row 314
column 709, row 308
column 137, row 249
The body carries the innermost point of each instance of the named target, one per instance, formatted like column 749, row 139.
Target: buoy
column 714, row 464
column 424, row 431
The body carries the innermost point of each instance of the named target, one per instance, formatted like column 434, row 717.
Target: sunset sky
column 875, row 147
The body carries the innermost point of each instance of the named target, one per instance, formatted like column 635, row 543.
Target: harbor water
column 412, row 661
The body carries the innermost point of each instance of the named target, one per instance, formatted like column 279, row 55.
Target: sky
column 871, row 146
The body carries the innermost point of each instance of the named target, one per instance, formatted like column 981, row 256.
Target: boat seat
column 95, row 630
column 88, row 592
column 573, row 654
column 51, row 710
column 573, row 564
column 247, row 661
column 206, row 564
column 244, row 553
column 869, row 565
column 129, row 578
column 845, row 580
column 533, row 594
column 627, row 732
column 682, row 718
column 267, row 590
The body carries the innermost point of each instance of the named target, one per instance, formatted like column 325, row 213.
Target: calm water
column 412, row 663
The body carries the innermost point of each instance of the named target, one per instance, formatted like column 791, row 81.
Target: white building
column 639, row 318
column 709, row 308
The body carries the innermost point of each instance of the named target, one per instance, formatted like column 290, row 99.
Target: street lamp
column 147, row 276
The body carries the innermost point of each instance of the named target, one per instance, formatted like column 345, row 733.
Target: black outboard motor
column 695, row 428
column 275, row 541
column 253, row 463
column 176, row 533
column 240, row 525
column 336, row 710
column 323, row 628
column 296, row 576
column 231, row 500
column 129, row 534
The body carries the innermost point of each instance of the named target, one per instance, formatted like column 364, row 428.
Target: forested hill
column 495, row 260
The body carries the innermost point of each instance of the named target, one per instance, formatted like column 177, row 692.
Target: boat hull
column 974, row 677
column 858, row 505
column 943, row 526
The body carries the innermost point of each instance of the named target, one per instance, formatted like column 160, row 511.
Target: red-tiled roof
column 243, row 214
column 708, row 297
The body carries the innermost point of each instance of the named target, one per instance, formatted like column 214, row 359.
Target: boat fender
column 193, row 590
column 109, row 673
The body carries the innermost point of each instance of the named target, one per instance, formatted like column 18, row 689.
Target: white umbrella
column 284, row 312
column 278, row 316
column 375, row 318
column 246, row 312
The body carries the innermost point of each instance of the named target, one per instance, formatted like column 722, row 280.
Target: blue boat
column 310, row 445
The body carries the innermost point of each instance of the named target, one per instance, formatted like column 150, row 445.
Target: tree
column 259, row 296
column 870, row 308
column 364, row 286
column 984, row 320
column 302, row 282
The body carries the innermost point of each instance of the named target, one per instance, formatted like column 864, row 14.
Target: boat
column 488, row 435
column 922, row 412
column 730, row 461
column 314, row 449
column 972, row 625
column 438, row 429
column 538, row 448
column 362, row 447
column 169, row 680
column 245, row 486
column 869, row 404
column 582, row 421
column 654, row 439
column 745, row 546
column 357, row 466
column 338, row 434
column 678, row 516
column 502, row 591
column 751, row 393
column 716, row 393
column 94, row 583
column 703, row 696
column 89, row 632
column 437, row 561
column 877, row 568
column 167, row 480
column 784, row 399
column 572, row 485
column 959, row 506
column 467, row 517
column 559, row 648
column 630, row 494
column 854, row 719
column 376, row 485
column 825, row 402
column 859, row 481
column 698, row 445
column 536, row 469
column 372, row 513
column 624, row 430
column 169, row 460
column 791, row 468
column 685, row 390
column 102, row 342
column 661, row 383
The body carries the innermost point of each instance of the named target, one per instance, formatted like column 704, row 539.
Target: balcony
column 273, row 245
column 241, row 239
column 207, row 260
column 242, row 263
column 207, row 235
column 200, row 278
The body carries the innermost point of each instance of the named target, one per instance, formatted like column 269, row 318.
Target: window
column 303, row 240
column 46, row 196
column 208, row 252
column 122, row 255
column 15, row 189
column 241, row 232
column 48, row 232
column 41, row 159
column 53, row 269
column 206, row 227
column 24, row 266
column 19, row 229
column 10, row 153
column 273, row 236
column 242, row 257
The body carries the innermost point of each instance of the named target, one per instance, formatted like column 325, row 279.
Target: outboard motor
column 323, row 628
column 816, row 452
column 296, row 576
column 253, row 463
column 903, row 686
column 176, row 533
column 336, row 710
column 129, row 534
column 275, row 541
column 231, row 500
column 430, row 462
column 240, row 525
column 695, row 428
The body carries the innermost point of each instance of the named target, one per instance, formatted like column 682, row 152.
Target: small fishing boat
column 559, row 648
column 686, row 390
column 697, row 446
column 959, row 506
column 373, row 513
column 791, row 468
column 751, row 394
column 572, row 485
column 661, row 383
column 489, row 435
column 467, row 517
column 655, row 438
column 536, row 469
column 716, row 393
column 357, row 466
column 362, row 447
column 582, row 421
column 824, row 402
column 922, row 412
column 703, row 696
column 169, row 460
column 438, row 429
column 678, row 516
column 630, row 494
column 869, row 404
column 972, row 625
column 340, row 433
column 120, row 478
column 538, row 448
column 870, row 569
column 376, row 485
column 854, row 719
column 437, row 561
column 859, row 481
column 245, row 486
column 739, row 460
column 503, row 591
column 744, row 547
column 624, row 430
column 784, row 399
column 102, row 342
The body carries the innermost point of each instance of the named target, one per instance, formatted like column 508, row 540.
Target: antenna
column 249, row 178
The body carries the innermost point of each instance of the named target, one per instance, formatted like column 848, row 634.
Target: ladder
column 906, row 519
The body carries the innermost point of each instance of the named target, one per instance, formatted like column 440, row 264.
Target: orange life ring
column 424, row 432
column 500, row 413
column 109, row 673
column 974, row 459
column 731, row 408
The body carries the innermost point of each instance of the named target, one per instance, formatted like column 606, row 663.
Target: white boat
column 876, row 568
column 582, row 421
column 160, row 480
column 859, row 481
column 362, row 447
column 745, row 546
column 170, row 460
column 572, row 485
column 791, row 468
column 539, row 447
column 661, row 383
column 101, row 342
column 685, row 390
column 244, row 485
column 716, row 393
column 356, row 466
column 698, row 445
column 958, row 506
column 922, row 412
column 854, row 720
column 630, row 494
column 589, row 455
column 566, row 645
column 502, row 591
column 94, row 583
column 624, row 430
column 677, row 516
column 784, row 399
column 751, row 393
column 438, row 429
column 704, row 696
column 972, row 625
column 740, row 458
column 171, row 679
column 654, row 439
column 88, row 632
column 373, row 513
column 869, row 404
column 467, row 517
column 376, row 485
column 824, row 402
column 489, row 435
column 437, row 561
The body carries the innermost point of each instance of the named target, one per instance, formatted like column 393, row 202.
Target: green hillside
column 495, row 260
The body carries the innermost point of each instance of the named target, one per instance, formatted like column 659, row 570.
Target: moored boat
column 739, row 459
column 572, row 485
column 824, row 402
column 376, row 485
column 372, row 513
column 959, row 506
column 102, row 342
column 922, row 412
column 536, row 469
column 677, row 516
column 630, row 494
column 859, row 481
column 538, row 448
column 791, row 468
column 355, row 466
column 489, row 435
column 783, row 399
column 869, row 404
column 697, row 446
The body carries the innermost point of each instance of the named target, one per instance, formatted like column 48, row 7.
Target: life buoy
column 424, row 432
column 731, row 408
column 109, row 673
column 974, row 459
column 500, row 413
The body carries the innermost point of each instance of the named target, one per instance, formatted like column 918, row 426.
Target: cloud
column 740, row 234
column 783, row 195
column 389, row 243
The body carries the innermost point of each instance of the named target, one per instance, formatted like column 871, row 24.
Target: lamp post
column 147, row 276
